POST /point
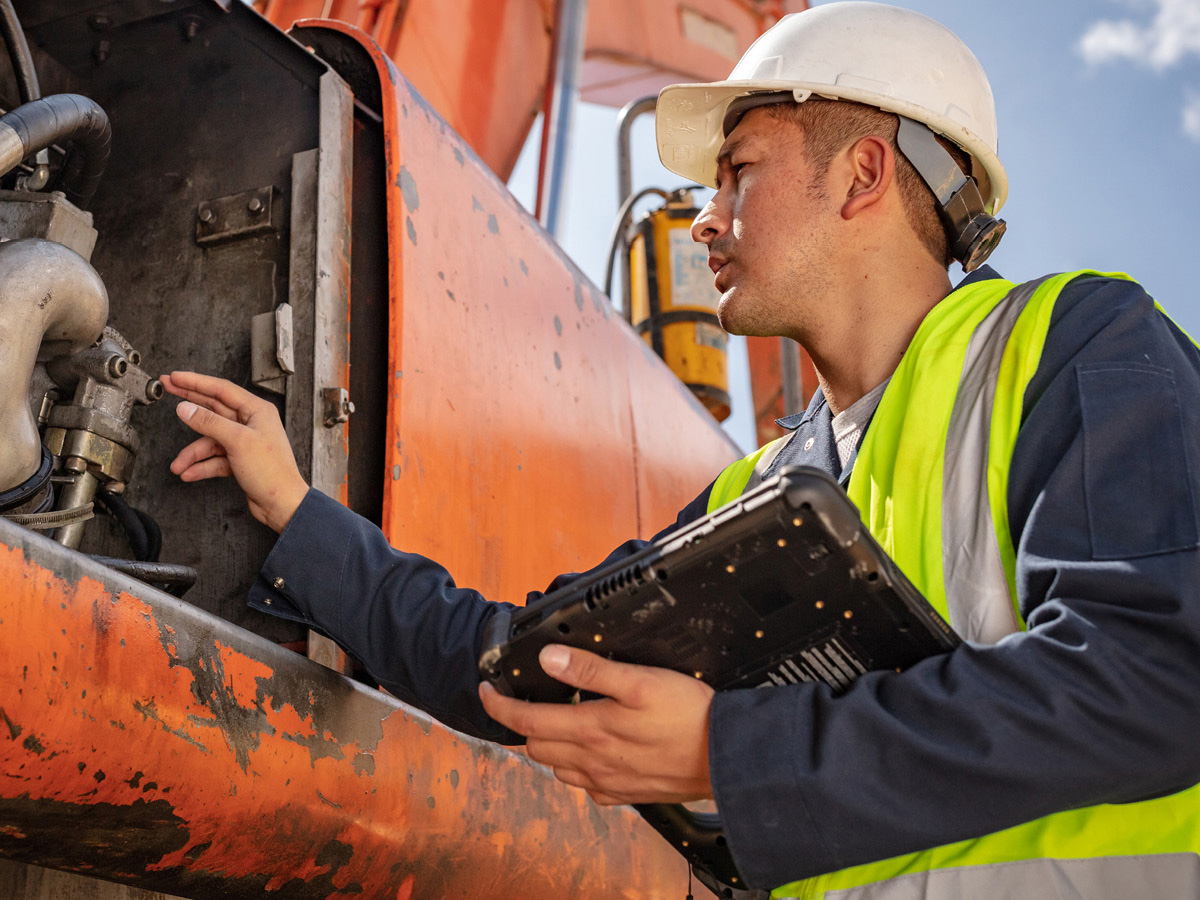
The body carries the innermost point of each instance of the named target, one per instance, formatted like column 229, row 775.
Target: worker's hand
column 646, row 742
column 242, row 437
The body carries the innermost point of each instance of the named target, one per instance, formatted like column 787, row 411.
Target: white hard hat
column 871, row 53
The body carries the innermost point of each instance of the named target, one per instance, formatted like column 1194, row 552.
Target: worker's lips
column 719, row 266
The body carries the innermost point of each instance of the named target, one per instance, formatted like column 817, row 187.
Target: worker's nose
column 710, row 224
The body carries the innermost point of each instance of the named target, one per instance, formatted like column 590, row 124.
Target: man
column 1026, row 463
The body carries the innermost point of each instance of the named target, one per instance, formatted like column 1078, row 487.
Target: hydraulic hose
column 18, row 52
column 130, row 522
column 614, row 240
column 34, row 126
column 173, row 578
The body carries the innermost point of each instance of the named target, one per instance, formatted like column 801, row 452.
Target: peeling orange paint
column 265, row 783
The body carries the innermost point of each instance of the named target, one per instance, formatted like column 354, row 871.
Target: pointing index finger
column 221, row 396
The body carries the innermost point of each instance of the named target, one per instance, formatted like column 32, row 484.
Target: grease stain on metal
column 412, row 230
column 579, row 296
column 476, row 206
column 493, row 225
column 13, row 729
column 328, row 802
column 558, row 325
column 524, row 268
column 396, row 473
column 557, row 360
column 33, row 745
column 454, row 778
column 458, row 157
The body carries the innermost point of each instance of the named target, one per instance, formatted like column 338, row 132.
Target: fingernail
column 187, row 409
column 554, row 659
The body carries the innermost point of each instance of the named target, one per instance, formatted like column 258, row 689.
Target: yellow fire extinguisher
column 673, row 301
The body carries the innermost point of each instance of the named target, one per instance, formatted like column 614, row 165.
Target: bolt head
column 205, row 215
column 255, row 205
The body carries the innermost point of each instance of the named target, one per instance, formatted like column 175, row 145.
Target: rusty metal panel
column 516, row 450
column 147, row 742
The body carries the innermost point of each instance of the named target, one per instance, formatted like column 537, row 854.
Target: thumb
column 589, row 672
column 208, row 423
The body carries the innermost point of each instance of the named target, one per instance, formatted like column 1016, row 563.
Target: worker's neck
column 863, row 338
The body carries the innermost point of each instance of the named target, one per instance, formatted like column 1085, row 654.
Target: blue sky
column 1098, row 103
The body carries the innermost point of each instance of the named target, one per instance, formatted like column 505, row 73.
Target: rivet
column 808, row 444
column 848, row 614
column 267, row 601
column 516, row 673
column 597, row 638
column 730, row 569
column 758, row 633
column 781, row 542
column 278, row 582
column 797, row 522
column 820, row 604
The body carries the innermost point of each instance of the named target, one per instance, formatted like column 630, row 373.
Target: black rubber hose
column 153, row 535
column 175, row 578
column 18, row 52
column 66, row 117
column 129, row 521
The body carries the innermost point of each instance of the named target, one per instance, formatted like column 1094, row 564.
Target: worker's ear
column 869, row 168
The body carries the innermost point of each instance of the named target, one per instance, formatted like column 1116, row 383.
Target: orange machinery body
column 529, row 431
column 484, row 64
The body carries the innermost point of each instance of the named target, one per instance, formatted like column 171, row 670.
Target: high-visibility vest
column 934, row 464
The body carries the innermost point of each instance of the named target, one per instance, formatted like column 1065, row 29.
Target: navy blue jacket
column 1095, row 703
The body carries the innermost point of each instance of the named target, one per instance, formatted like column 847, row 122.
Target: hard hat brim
column 689, row 119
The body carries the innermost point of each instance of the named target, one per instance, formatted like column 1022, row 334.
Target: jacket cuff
column 754, row 736
column 312, row 546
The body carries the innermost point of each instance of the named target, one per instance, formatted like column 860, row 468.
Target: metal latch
column 272, row 353
column 336, row 405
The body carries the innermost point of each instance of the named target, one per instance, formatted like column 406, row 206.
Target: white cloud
column 1191, row 118
column 1170, row 35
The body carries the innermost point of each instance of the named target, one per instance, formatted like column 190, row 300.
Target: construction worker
column 1021, row 450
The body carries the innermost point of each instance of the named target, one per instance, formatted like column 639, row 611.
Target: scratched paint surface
column 530, row 431
column 147, row 742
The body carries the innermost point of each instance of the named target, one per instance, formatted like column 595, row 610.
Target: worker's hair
column 829, row 126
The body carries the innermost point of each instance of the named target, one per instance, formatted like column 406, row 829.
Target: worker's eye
column 737, row 168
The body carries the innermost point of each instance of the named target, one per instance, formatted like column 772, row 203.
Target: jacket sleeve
column 417, row 633
column 1094, row 703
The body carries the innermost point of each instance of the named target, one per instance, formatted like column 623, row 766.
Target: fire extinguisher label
column 691, row 278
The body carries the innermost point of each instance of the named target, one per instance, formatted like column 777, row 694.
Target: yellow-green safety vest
column 934, row 465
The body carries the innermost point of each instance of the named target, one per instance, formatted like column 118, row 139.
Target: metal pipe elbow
column 52, row 303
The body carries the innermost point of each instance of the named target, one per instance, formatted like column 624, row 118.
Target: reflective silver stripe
column 1167, row 875
column 973, row 573
column 764, row 462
